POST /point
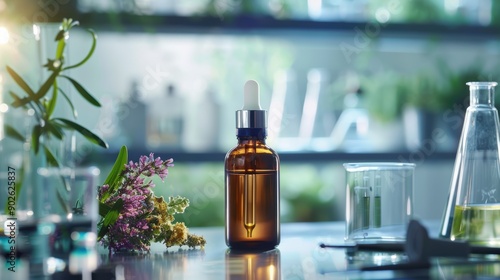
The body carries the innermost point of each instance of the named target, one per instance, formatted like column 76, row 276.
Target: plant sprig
column 132, row 216
column 44, row 100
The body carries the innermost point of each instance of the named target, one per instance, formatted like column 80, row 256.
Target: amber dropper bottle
column 252, row 190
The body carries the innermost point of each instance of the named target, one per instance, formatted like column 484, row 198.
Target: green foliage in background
column 205, row 192
column 420, row 91
column 419, row 11
column 388, row 93
column 305, row 195
column 453, row 91
column 415, row 11
column 383, row 95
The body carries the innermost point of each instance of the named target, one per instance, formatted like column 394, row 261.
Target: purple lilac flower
column 131, row 231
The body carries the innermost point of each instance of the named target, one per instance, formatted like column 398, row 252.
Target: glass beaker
column 472, row 212
column 379, row 199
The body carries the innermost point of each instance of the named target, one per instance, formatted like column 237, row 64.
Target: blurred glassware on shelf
column 419, row 112
column 418, row 128
column 317, row 118
column 351, row 130
column 284, row 112
column 165, row 121
column 337, row 10
column 141, row 7
column 297, row 123
column 470, row 12
column 351, row 119
column 384, row 101
column 201, row 122
column 324, row 124
column 277, row 106
column 133, row 118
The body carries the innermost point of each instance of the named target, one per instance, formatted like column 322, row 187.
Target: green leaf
column 75, row 113
column 19, row 99
column 51, row 159
column 46, row 85
column 83, row 92
column 114, row 176
column 83, row 131
column 20, row 81
column 15, row 97
column 110, row 218
column 35, row 138
column 55, row 129
column 118, row 166
column 89, row 54
column 12, row 132
column 62, row 200
column 103, row 209
column 113, row 214
column 40, row 93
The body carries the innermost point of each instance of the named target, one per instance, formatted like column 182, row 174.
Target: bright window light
column 4, row 35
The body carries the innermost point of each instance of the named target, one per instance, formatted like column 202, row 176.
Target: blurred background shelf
column 262, row 25
column 109, row 156
column 443, row 18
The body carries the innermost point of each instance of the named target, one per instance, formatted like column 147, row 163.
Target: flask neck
column 482, row 93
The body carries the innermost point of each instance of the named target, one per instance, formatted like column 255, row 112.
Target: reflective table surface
column 298, row 256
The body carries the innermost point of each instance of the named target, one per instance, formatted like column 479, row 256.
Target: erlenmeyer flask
column 472, row 212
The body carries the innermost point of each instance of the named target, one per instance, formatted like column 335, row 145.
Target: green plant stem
column 89, row 54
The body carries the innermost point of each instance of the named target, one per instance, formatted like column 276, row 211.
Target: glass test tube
column 377, row 200
column 362, row 204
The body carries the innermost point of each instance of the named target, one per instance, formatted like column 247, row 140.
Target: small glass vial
column 252, row 191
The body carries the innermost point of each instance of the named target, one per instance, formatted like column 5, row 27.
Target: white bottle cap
column 251, row 115
column 251, row 98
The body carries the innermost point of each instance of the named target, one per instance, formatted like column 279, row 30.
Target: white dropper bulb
column 251, row 99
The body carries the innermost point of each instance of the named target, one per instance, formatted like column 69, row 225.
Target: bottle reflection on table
column 253, row 264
